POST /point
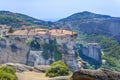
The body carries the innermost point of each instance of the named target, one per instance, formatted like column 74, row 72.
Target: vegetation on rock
column 28, row 41
column 34, row 45
column 45, row 53
column 52, row 47
column 58, row 68
column 11, row 30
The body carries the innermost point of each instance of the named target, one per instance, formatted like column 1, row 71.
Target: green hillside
column 17, row 20
column 110, row 48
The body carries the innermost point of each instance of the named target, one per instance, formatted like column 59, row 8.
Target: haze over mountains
column 86, row 22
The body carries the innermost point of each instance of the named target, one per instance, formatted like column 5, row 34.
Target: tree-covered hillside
column 92, row 23
column 110, row 48
column 17, row 20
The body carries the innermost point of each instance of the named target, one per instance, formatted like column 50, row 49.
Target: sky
column 58, row 9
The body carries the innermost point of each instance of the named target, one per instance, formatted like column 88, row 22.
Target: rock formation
column 23, row 68
column 100, row 74
column 13, row 51
column 93, row 51
column 39, row 46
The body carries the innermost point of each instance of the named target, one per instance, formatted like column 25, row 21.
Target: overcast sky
column 57, row 9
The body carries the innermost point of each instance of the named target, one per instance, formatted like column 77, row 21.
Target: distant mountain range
column 85, row 22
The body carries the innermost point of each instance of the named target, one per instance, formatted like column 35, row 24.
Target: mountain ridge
column 92, row 23
column 84, row 15
column 86, row 22
column 7, row 17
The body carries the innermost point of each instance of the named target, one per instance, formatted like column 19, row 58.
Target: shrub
column 58, row 68
column 11, row 30
column 52, row 47
column 35, row 45
column 45, row 53
column 28, row 41
column 7, row 73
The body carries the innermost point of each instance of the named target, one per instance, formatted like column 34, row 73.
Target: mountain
column 92, row 23
column 17, row 19
column 84, row 15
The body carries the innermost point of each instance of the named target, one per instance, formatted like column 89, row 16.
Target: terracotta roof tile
column 55, row 32
column 60, row 32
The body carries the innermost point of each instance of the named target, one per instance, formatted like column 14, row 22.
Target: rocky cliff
column 91, row 53
column 43, row 47
column 13, row 51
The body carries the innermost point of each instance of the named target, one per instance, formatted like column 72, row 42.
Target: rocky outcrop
column 35, row 58
column 83, row 74
column 93, row 51
column 100, row 74
column 40, row 47
column 15, row 51
column 23, row 68
column 69, row 54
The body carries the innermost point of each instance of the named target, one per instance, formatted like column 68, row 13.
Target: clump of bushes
column 58, row 68
column 28, row 41
column 7, row 73
column 11, row 30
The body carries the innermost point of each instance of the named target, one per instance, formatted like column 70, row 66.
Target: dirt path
column 31, row 76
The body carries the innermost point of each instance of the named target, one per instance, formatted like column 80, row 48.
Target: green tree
column 11, row 30
column 58, row 68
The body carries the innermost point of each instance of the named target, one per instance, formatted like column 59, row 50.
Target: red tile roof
column 61, row 32
column 55, row 32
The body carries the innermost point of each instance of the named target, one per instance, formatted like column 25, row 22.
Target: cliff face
column 93, row 51
column 13, row 51
column 40, row 49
